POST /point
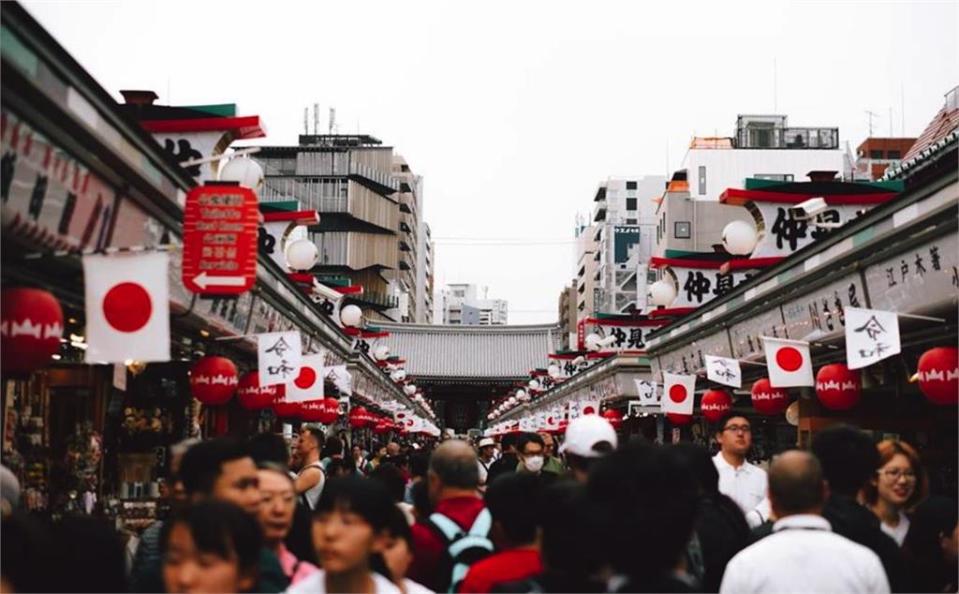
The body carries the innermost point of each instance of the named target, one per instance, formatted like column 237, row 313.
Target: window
column 630, row 185
column 630, row 221
column 682, row 230
column 702, row 180
column 894, row 155
column 631, row 204
column 875, row 154
column 783, row 177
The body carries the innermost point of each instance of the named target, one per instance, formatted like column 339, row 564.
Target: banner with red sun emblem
column 788, row 362
column 308, row 384
column 127, row 298
column 679, row 393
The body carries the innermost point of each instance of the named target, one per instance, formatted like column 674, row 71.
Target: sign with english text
column 220, row 240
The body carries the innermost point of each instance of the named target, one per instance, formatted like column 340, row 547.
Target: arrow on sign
column 203, row 280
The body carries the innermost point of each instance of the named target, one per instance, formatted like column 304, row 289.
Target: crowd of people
column 516, row 515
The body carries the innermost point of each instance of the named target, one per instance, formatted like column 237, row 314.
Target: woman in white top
column 900, row 484
column 350, row 528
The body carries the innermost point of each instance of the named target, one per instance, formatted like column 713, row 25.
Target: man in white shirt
column 743, row 482
column 486, row 447
column 802, row 554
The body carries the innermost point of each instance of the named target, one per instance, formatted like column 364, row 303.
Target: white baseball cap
column 486, row 441
column 585, row 433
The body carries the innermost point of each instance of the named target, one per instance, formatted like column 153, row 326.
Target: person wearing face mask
column 532, row 456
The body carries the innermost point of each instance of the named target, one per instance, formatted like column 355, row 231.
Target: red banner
column 220, row 240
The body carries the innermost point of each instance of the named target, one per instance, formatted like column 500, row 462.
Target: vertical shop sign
column 220, row 240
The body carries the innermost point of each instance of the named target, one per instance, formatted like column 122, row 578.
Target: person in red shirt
column 512, row 500
column 453, row 480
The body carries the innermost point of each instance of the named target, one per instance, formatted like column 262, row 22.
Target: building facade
column 349, row 180
column 875, row 155
column 567, row 315
column 424, row 275
column 469, row 305
column 405, row 276
column 624, row 216
column 764, row 147
column 586, row 264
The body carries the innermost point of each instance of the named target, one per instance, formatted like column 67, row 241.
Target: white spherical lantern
column 554, row 371
column 244, row 171
column 512, row 401
column 398, row 375
column 739, row 238
column 534, row 385
column 593, row 342
column 662, row 292
column 381, row 353
column 521, row 395
column 302, row 254
column 351, row 316
column 409, row 389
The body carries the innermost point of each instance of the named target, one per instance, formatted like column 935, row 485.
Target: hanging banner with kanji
column 220, row 240
column 723, row 370
column 278, row 355
column 871, row 336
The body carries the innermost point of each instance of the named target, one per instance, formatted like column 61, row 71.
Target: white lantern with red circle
column 768, row 400
column 30, row 329
column 838, row 387
column 714, row 404
column 213, row 380
column 939, row 375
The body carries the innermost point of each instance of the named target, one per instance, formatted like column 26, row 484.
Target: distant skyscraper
column 467, row 304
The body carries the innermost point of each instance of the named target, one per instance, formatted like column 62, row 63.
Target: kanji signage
column 219, row 240
column 921, row 278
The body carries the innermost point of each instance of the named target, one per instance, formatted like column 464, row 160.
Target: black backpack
column 462, row 549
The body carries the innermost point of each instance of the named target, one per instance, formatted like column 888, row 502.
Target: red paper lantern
column 252, row 395
column 768, row 400
column 30, row 329
column 312, row 411
column 838, row 387
column 213, row 380
column 358, row 417
column 715, row 404
column 939, row 375
column 381, row 427
column 331, row 412
column 679, row 419
column 614, row 418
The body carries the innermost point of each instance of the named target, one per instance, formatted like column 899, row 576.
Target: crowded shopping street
column 238, row 352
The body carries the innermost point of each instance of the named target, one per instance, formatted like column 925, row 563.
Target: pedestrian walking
column 849, row 461
column 277, row 506
column 898, row 486
column 211, row 547
column 932, row 546
column 507, row 461
column 485, row 451
column 588, row 438
column 350, row 527
column 310, row 478
column 802, row 554
column 397, row 556
column 745, row 483
column 514, row 503
column 552, row 463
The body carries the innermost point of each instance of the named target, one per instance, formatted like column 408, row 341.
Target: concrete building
column 349, row 180
column 586, row 264
column 685, row 225
column 875, row 155
column 469, row 305
column 624, row 216
column 406, row 277
column 764, row 147
column 568, row 317
column 424, row 275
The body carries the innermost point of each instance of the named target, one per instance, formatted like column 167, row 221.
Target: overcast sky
column 514, row 111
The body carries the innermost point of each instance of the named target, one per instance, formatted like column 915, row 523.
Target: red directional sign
column 219, row 240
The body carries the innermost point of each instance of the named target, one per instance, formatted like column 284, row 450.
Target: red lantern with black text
column 213, row 380
column 715, row 404
column 331, row 411
column 768, row 400
column 939, row 375
column 838, row 387
column 614, row 418
column 252, row 395
column 679, row 419
column 31, row 324
column 382, row 426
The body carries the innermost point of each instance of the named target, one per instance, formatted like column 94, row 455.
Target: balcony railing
column 324, row 197
column 755, row 137
column 599, row 214
column 377, row 301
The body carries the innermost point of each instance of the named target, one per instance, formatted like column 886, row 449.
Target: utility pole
column 871, row 115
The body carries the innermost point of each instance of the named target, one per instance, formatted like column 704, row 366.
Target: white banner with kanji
column 723, row 370
column 871, row 336
column 278, row 356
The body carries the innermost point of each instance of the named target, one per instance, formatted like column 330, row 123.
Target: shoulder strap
column 482, row 524
column 447, row 527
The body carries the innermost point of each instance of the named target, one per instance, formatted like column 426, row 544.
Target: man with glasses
column 743, row 482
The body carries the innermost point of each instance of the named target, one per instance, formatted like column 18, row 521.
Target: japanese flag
column 589, row 407
column 308, row 384
column 678, row 393
column 128, row 307
column 788, row 362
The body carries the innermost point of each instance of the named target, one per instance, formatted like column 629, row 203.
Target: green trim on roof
column 223, row 110
column 335, row 281
column 280, row 206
